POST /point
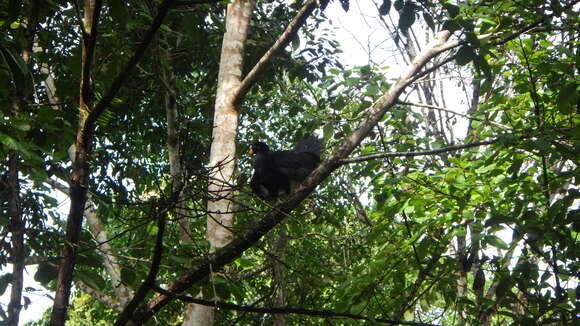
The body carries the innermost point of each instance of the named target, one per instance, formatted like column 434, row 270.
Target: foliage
column 482, row 234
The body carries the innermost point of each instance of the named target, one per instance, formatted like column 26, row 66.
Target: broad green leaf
column 45, row 273
column 567, row 98
column 500, row 219
column 496, row 242
column 17, row 68
column 504, row 287
column 385, row 7
column 4, row 281
column 407, row 17
column 465, row 55
column 453, row 10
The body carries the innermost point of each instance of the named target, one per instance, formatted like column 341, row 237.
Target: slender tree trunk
column 278, row 244
column 123, row 293
column 80, row 173
column 172, row 141
column 17, row 240
column 223, row 147
column 17, row 223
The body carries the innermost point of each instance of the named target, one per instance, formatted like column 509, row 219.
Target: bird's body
column 275, row 171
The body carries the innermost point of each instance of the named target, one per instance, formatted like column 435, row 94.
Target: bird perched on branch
column 275, row 171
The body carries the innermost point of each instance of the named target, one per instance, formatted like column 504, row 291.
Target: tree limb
column 421, row 153
column 112, row 91
column 283, row 40
column 149, row 282
column 100, row 295
column 433, row 107
column 285, row 310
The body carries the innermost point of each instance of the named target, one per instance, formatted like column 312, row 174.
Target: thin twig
column 420, row 153
column 453, row 112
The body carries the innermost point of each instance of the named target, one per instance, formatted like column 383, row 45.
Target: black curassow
column 275, row 171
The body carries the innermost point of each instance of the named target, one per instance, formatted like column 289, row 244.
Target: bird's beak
column 251, row 151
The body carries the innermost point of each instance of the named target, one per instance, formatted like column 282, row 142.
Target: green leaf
column 407, row 16
column 453, row 10
column 45, row 273
column 496, row 242
column 358, row 308
column 567, row 98
column 372, row 90
column 429, row 20
column 21, row 125
column 478, row 281
column 19, row 147
column 17, row 68
column 4, row 281
column 385, row 7
column 295, row 43
column 327, row 132
column 91, row 278
column 500, row 219
column 504, row 287
column 465, row 55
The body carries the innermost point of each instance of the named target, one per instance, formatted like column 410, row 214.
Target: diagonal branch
column 283, row 40
column 110, row 94
column 149, row 282
column 433, row 107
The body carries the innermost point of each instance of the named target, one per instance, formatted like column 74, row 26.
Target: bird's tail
column 309, row 144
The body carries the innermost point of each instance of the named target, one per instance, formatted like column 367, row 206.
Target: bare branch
column 285, row 310
column 283, row 40
column 455, row 113
column 421, row 153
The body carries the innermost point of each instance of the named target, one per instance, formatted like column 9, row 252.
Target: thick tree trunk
column 223, row 147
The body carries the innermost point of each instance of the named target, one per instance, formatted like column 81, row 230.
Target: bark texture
column 79, row 177
column 223, row 147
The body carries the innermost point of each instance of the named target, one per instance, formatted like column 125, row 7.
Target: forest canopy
column 446, row 192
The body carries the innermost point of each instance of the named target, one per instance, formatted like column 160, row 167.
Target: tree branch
column 284, row 310
column 421, row 153
column 149, row 282
column 283, row 40
column 100, row 295
column 109, row 95
column 433, row 107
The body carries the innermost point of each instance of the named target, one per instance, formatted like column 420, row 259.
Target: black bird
column 275, row 171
